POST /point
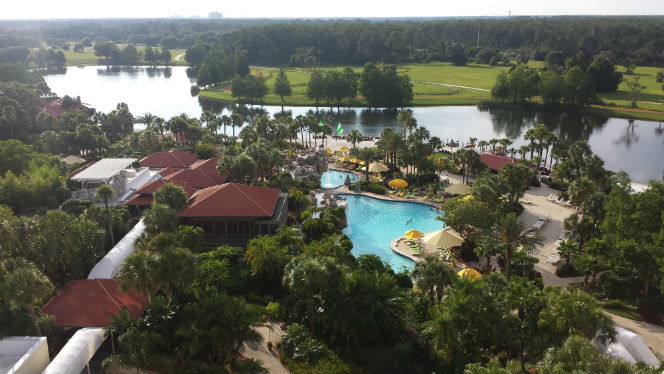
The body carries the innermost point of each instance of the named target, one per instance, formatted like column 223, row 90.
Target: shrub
column 75, row 206
column 421, row 179
column 62, row 194
column 615, row 285
column 195, row 90
column 206, row 151
column 567, row 271
column 372, row 187
column 557, row 185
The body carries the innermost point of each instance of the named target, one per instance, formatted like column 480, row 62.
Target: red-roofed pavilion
column 233, row 213
column 495, row 162
column 91, row 303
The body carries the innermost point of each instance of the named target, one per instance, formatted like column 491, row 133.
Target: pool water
column 336, row 178
column 374, row 223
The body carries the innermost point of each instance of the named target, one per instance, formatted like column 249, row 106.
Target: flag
column 340, row 129
column 320, row 123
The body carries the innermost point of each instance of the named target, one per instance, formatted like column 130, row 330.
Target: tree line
column 575, row 80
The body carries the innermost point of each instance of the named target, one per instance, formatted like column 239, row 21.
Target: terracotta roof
column 194, row 178
column 53, row 108
column 168, row 171
column 91, row 302
column 496, row 162
column 172, row 158
column 140, row 200
column 151, row 187
column 232, row 200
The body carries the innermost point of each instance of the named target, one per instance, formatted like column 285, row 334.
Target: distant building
column 215, row 15
column 55, row 108
column 234, row 213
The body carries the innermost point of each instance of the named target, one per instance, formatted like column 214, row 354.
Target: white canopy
column 103, row 169
column 78, row 351
column 629, row 347
column 109, row 266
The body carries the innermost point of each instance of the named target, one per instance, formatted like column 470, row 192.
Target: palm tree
column 367, row 155
column 432, row 276
column 493, row 143
column 106, row 193
column 236, row 121
column 472, row 141
column 512, row 152
column 402, row 117
column 410, row 124
column 482, row 144
column 512, row 233
column 326, row 130
column 354, row 136
column 137, row 273
column 504, row 142
column 226, row 121
column 523, row 150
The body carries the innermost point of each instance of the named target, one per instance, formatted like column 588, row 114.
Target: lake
column 633, row 146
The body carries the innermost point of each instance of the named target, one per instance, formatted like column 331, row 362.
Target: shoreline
column 598, row 110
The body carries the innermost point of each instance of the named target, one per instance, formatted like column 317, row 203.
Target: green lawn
column 87, row 57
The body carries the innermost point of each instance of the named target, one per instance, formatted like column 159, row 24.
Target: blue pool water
column 336, row 178
column 373, row 224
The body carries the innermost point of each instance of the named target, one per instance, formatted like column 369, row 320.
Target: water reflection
column 165, row 91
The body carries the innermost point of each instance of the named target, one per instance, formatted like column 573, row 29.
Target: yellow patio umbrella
column 355, row 160
column 378, row 167
column 342, row 148
column 398, row 183
column 459, row 189
column 344, row 159
column 413, row 234
column 443, row 238
column 362, row 162
column 470, row 274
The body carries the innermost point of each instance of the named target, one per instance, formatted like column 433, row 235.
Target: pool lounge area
column 374, row 223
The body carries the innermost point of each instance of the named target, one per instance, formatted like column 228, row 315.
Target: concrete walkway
column 259, row 351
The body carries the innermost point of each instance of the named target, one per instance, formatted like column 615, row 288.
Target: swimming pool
column 336, row 178
column 374, row 223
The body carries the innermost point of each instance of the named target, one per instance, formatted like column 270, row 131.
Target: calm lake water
column 633, row 146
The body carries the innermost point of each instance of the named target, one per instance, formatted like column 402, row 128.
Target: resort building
column 55, row 108
column 116, row 173
column 495, row 162
column 234, row 213
column 201, row 174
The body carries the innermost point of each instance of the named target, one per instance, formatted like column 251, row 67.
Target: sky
column 47, row 9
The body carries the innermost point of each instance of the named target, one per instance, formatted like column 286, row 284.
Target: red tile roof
column 91, row 302
column 232, row 200
column 53, row 108
column 194, row 178
column 168, row 171
column 140, row 200
column 143, row 196
column 173, row 159
column 496, row 162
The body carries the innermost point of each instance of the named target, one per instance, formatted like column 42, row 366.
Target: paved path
column 259, row 351
column 179, row 57
column 450, row 85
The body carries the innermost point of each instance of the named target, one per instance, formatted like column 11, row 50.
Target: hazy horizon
column 78, row 9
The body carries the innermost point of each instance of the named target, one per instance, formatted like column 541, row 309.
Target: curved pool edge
column 385, row 198
column 395, row 248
